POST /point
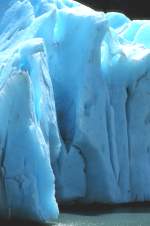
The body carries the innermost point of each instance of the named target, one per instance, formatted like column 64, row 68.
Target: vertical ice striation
column 74, row 107
column 29, row 136
column 125, row 68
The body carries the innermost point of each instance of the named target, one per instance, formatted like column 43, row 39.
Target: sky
column 134, row 9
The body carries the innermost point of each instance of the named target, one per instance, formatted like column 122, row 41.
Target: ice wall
column 29, row 137
column 75, row 109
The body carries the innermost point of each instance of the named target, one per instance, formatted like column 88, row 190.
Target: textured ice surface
column 74, row 107
column 29, row 137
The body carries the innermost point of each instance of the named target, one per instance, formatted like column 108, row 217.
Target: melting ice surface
column 74, row 107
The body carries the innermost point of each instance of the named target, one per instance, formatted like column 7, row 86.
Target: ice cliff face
column 74, row 107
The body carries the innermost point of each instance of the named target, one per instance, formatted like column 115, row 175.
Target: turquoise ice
column 74, row 107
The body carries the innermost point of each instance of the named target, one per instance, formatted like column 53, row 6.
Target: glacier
column 74, row 107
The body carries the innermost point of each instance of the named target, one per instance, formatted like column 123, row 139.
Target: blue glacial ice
column 74, row 107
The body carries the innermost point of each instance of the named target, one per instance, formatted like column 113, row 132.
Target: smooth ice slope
column 77, row 80
column 74, row 107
